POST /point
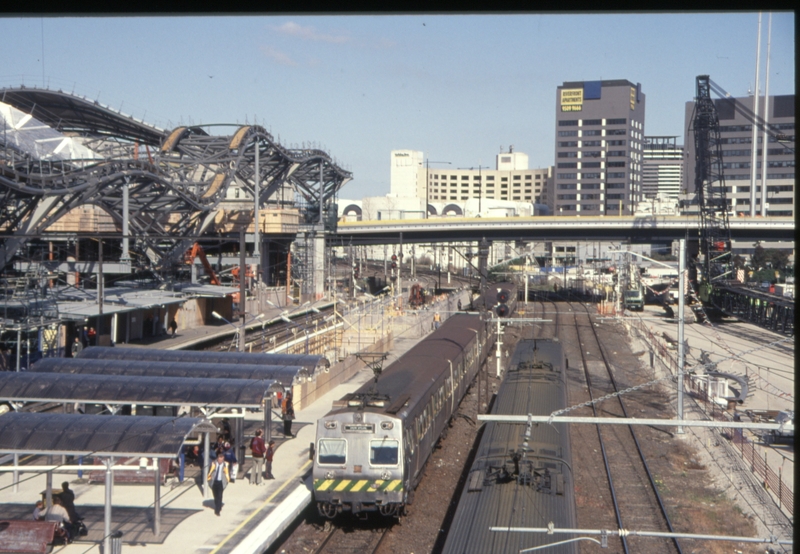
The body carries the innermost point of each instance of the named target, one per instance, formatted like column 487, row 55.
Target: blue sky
column 457, row 87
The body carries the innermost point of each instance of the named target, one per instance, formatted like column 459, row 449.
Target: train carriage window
column 383, row 452
column 332, row 451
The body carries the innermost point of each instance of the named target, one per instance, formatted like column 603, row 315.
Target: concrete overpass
column 645, row 229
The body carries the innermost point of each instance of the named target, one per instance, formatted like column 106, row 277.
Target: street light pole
column 480, row 184
column 427, row 181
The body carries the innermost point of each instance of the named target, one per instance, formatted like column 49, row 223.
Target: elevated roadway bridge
column 645, row 229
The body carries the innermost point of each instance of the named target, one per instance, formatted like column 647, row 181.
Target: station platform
column 253, row 516
column 188, row 338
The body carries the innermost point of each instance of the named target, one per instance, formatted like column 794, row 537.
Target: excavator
column 197, row 250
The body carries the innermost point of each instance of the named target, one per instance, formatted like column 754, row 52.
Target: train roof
column 285, row 375
column 313, row 362
column 405, row 379
column 495, row 493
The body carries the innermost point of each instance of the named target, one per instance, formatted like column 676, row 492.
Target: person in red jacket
column 258, row 449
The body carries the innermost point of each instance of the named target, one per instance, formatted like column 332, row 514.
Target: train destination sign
column 359, row 428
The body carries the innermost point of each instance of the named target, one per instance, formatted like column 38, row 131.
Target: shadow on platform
column 136, row 523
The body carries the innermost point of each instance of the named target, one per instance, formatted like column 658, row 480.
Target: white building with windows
column 662, row 169
column 406, row 178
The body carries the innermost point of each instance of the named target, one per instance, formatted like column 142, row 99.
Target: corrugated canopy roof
column 84, row 435
column 311, row 361
column 285, row 375
column 120, row 389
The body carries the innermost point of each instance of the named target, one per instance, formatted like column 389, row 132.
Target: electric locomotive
column 372, row 446
column 521, row 475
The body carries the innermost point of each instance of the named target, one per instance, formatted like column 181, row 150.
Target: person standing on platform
column 77, row 346
column 68, row 500
column 287, row 410
column 218, row 476
column 437, row 320
column 258, row 449
column 173, row 326
column 270, row 454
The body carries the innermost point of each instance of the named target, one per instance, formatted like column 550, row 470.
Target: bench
column 26, row 536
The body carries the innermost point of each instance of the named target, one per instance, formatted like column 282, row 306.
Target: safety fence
column 771, row 480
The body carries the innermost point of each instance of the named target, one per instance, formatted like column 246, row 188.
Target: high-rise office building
column 662, row 168
column 599, row 138
column 736, row 137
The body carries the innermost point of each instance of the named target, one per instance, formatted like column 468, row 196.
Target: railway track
column 341, row 540
column 637, row 503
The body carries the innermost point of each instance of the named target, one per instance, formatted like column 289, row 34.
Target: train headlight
column 330, row 425
column 386, row 425
column 386, row 475
column 329, row 475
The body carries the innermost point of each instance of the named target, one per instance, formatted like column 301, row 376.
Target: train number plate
column 359, row 428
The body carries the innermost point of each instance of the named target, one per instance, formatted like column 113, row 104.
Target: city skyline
column 457, row 87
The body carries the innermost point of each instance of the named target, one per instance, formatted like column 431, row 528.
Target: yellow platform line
column 267, row 501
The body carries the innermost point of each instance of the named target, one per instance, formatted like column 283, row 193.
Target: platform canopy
column 285, row 375
column 96, row 435
column 120, row 389
column 314, row 362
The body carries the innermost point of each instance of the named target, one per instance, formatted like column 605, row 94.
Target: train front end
column 358, row 464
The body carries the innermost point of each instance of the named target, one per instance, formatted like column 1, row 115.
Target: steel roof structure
column 120, row 389
column 95, row 435
column 60, row 151
column 285, row 375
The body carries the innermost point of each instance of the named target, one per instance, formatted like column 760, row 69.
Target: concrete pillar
column 107, row 509
column 157, row 499
column 319, row 263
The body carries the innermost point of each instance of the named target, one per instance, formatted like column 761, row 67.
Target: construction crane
column 714, row 256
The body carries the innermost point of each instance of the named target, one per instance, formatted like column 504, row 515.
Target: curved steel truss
column 59, row 151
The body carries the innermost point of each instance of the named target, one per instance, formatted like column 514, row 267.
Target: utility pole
column 400, row 268
column 242, row 291
column 100, row 289
column 427, row 182
column 681, row 322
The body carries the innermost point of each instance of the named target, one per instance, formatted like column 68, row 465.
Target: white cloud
column 292, row 29
column 278, row 56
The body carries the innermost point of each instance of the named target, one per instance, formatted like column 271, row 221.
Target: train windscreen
column 332, row 451
column 383, row 452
